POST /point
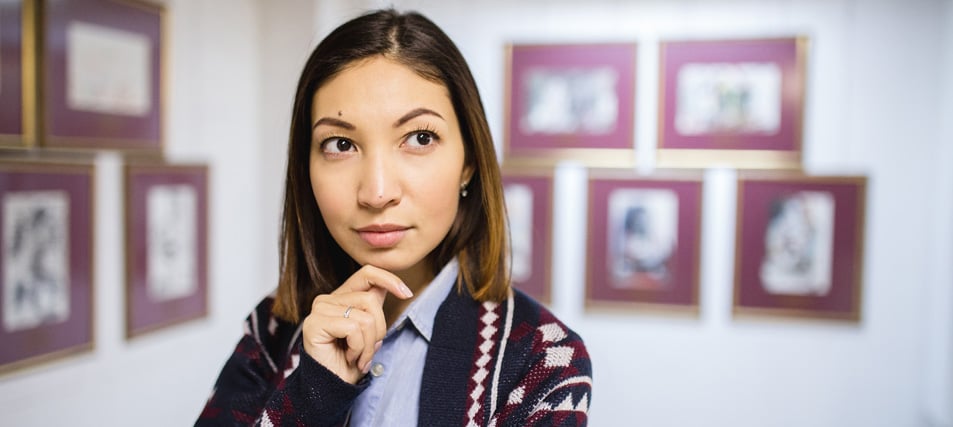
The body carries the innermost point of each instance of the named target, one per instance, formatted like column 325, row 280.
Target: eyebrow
column 333, row 122
column 417, row 112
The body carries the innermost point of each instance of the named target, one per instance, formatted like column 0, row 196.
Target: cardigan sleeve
column 262, row 385
column 553, row 377
column 564, row 373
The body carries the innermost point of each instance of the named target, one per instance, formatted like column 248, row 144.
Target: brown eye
column 421, row 139
column 337, row 145
column 424, row 138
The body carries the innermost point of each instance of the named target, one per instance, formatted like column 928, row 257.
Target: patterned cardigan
column 489, row 364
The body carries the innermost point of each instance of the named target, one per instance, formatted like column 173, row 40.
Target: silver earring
column 463, row 190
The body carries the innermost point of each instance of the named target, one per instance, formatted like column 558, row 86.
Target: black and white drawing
column 570, row 101
column 728, row 97
column 643, row 231
column 171, row 240
column 799, row 242
column 35, row 259
column 519, row 210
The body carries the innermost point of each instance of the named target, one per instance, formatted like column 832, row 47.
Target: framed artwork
column 529, row 209
column 799, row 247
column 644, row 239
column 573, row 101
column 166, row 245
column 102, row 75
column 17, row 73
column 46, row 266
column 738, row 103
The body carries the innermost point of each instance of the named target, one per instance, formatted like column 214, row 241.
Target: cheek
column 446, row 199
column 327, row 197
column 440, row 188
column 443, row 203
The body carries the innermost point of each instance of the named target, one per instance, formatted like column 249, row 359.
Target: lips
column 382, row 235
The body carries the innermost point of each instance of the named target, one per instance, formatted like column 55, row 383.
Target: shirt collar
column 423, row 310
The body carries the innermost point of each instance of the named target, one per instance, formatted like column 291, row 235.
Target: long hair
column 311, row 262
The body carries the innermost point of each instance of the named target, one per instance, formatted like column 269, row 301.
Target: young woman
column 394, row 304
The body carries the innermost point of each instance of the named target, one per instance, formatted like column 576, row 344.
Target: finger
column 332, row 305
column 368, row 347
column 376, row 280
column 349, row 332
column 360, row 336
column 326, row 343
column 354, row 337
column 344, row 322
column 360, row 340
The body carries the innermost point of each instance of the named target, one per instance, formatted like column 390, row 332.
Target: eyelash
column 428, row 129
column 425, row 129
column 331, row 138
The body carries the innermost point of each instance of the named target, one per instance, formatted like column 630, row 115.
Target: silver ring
column 347, row 313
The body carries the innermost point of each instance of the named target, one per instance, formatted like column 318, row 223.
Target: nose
column 380, row 182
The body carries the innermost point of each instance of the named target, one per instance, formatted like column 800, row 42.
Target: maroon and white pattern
column 556, row 389
column 488, row 319
column 526, row 368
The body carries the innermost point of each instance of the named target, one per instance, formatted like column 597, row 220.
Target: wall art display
column 571, row 101
column 644, row 239
column 46, row 261
column 166, row 245
column 17, row 71
column 738, row 103
column 799, row 248
column 102, row 75
column 529, row 209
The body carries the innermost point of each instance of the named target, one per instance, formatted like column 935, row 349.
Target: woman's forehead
column 380, row 86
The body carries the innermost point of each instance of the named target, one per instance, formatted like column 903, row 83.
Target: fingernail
column 405, row 290
column 367, row 367
column 377, row 345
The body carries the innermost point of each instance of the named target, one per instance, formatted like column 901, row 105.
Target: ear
column 466, row 175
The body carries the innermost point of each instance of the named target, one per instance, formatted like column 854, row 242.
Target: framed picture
column 46, row 306
column 529, row 209
column 574, row 101
column 644, row 239
column 17, row 71
column 102, row 75
column 166, row 245
column 738, row 103
column 800, row 244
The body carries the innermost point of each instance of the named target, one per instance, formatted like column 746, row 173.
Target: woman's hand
column 345, row 327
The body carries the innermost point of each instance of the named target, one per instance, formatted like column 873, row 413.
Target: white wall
column 163, row 378
column 938, row 372
column 875, row 70
column 879, row 103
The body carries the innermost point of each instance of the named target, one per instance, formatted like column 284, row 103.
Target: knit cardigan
column 488, row 364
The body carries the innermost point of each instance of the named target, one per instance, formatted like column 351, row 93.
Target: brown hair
column 311, row 262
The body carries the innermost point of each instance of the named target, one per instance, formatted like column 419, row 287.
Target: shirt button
column 377, row 370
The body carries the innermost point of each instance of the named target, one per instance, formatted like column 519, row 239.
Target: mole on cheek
column 339, row 114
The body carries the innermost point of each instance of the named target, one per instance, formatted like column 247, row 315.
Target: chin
column 390, row 260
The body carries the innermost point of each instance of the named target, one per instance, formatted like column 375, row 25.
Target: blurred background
column 879, row 102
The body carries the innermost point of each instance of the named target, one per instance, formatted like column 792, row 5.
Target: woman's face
column 387, row 163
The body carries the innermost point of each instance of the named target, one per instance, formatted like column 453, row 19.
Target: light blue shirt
column 397, row 368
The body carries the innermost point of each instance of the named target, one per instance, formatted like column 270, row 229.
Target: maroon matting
column 11, row 72
column 785, row 52
column 683, row 264
column 76, row 332
column 66, row 127
column 621, row 57
column 537, row 285
column 755, row 196
column 143, row 314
